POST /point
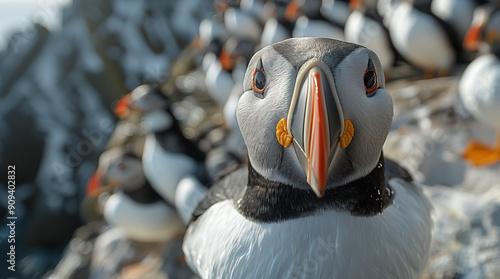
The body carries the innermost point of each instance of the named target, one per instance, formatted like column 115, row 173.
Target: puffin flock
column 264, row 150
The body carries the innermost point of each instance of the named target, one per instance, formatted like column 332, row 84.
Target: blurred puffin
column 136, row 207
column 483, row 34
column 168, row 156
column 218, row 80
column 241, row 24
column 273, row 32
column 458, row 14
column 336, row 11
column 309, row 22
column 257, row 8
column 277, row 27
column 242, row 35
column 212, row 34
column 212, row 37
column 479, row 86
column 423, row 39
column 365, row 27
column 331, row 200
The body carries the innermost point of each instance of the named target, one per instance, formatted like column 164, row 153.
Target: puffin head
column 314, row 112
column 116, row 170
column 149, row 102
column 125, row 172
column 484, row 31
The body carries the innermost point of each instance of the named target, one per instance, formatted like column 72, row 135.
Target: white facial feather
column 371, row 116
column 259, row 117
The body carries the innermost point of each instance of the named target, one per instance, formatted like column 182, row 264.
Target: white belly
column 143, row 222
column 329, row 244
column 480, row 89
column 420, row 39
column 165, row 169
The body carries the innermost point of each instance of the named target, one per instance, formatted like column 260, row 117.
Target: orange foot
column 481, row 155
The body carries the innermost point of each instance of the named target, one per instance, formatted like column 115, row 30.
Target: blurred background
column 63, row 66
column 66, row 68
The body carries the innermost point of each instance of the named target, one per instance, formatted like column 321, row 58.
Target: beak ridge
column 471, row 41
column 318, row 139
column 315, row 122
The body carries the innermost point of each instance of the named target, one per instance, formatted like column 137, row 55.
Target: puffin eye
column 370, row 79
column 259, row 80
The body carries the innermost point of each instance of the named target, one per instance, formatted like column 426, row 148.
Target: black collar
column 144, row 195
column 270, row 201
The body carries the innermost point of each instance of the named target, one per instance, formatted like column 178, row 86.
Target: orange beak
column 354, row 4
column 94, row 185
column 471, row 41
column 226, row 60
column 319, row 141
column 122, row 106
column 220, row 6
column 291, row 11
column 315, row 121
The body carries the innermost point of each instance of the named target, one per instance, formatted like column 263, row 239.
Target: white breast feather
column 144, row 222
column 480, row 89
column 420, row 39
column 165, row 169
column 329, row 244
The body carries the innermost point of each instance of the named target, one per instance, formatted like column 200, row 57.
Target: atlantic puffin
column 458, row 14
column 277, row 27
column 335, row 11
column 423, row 39
column 479, row 87
column 241, row 24
column 135, row 207
column 318, row 199
column 365, row 26
column 274, row 32
column 167, row 156
column 256, row 8
column 483, row 34
column 309, row 22
column 212, row 33
column 218, row 81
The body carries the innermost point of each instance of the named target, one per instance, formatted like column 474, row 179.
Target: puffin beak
column 226, row 60
column 318, row 140
column 291, row 11
column 473, row 35
column 316, row 122
column 99, row 183
column 354, row 4
column 94, row 185
column 471, row 41
column 122, row 106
